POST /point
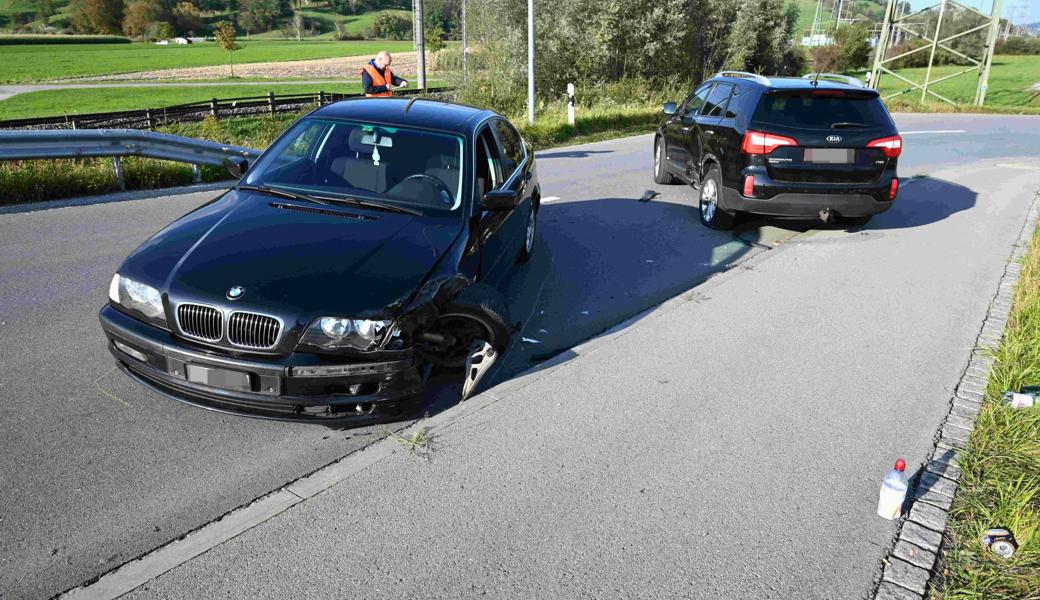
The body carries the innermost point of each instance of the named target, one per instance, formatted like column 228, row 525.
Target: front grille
column 251, row 330
column 202, row 322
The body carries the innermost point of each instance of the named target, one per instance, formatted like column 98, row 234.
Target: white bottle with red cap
column 893, row 492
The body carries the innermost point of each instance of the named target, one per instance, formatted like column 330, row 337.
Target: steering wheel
column 442, row 190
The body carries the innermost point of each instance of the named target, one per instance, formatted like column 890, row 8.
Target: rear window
column 820, row 110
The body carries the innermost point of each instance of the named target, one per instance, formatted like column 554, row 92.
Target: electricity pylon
column 894, row 25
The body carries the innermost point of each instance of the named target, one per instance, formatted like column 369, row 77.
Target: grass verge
column 1000, row 484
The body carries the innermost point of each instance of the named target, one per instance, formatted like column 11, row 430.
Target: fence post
column 196, row 173
column 570, row 104
column 321, row 97
column 213, row 106
column 117, row 166
column 148, row 115
column 270, row 101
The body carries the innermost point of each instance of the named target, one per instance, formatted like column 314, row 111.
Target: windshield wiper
column 373, row 204
column 847, row 125
column 282, row 193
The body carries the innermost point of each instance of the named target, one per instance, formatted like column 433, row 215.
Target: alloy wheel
column 709, row 199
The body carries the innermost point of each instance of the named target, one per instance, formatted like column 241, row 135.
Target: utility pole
column 465, row 45
column 530, row 61
column 420, row 42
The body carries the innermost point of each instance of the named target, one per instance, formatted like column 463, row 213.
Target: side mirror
column 236, row 166
column 501, row 200
column 669, row 108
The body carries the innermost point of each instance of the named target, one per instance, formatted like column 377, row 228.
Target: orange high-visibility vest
column 379, row 79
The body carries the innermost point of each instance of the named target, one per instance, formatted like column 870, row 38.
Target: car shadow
column 572, row 154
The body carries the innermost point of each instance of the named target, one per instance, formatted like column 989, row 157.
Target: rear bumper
column 359, row 393
column 808, row 204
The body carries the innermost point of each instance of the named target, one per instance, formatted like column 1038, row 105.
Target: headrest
column 354, row 142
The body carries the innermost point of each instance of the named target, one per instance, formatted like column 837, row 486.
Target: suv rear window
column 811, row 109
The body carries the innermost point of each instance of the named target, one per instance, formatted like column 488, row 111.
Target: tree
column 853, row 43
column 260, row 15
column 226, row 39
column 298, row 25
column 98, row 16
column 392, row 26
column 140, row 18
column 187, row 18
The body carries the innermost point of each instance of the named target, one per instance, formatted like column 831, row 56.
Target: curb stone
column 907, row 567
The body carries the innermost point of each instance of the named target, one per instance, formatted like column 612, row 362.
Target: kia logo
column 834, row 139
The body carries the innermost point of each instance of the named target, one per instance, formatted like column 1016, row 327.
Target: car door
column 516, row 175
column 495, row 230
column 705, row 136
column 677, row 128
column 728, row 138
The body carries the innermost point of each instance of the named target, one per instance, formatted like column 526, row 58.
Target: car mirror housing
column 501, row 200
column 669, row 108
column 236, row 166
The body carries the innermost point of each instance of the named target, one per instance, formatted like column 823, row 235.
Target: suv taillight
column 758, row 142
column 892, row 145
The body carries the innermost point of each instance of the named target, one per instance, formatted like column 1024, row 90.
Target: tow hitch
column 825, row 215
column 481, row 356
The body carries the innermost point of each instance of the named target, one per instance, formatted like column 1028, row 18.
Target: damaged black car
column 365, row 246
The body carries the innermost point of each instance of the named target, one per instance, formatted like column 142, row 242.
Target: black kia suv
column 820, row 146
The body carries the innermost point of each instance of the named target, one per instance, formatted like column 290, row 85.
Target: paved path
column 731, row 393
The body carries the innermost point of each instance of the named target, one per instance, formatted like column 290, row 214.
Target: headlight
column 332, row 333
column 137, row 297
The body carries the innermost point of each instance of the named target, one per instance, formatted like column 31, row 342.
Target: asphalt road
column 95, row 470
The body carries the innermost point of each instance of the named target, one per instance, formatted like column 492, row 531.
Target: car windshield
column 333, row 159
column 824, row 109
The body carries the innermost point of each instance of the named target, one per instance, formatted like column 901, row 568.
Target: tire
column 661, row 174
column 478, row 312
column 530, row 233
column 855, row 221
column 713, row 215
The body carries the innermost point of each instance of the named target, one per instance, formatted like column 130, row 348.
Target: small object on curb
column 1000, row 542
column 893, row 492
column 1021, row 399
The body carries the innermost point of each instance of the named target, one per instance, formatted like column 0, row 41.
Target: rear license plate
column 220, row 378
column 830, row 155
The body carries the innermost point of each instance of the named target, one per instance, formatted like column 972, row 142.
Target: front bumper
column 284, row 388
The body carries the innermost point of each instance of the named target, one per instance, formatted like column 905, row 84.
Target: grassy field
column 1000, row 484
column 24, row 64
column 1008, row 80
column 326, row 19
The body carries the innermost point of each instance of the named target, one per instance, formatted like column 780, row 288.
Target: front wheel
column 477, row 313
column 713, row 215
column 661, row 174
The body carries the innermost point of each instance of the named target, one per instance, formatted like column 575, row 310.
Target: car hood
column 294, row 259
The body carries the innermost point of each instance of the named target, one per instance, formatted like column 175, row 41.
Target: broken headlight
column 335, row 333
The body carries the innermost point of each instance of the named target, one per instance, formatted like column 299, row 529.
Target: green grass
column 326, row 18
column 1008, row 80
column 1000, row 484
column 24, row 64
column 591, row 124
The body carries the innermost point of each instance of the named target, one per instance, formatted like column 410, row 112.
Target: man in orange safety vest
column 377, row 79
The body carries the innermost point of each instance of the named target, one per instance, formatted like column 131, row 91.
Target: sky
column 1030, row 15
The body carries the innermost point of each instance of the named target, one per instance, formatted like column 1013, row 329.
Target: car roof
column 794, row 83
column 421, row 112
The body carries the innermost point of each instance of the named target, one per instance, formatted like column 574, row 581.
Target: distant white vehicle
column 182, row 41
column 162, row 43
column 196, row 40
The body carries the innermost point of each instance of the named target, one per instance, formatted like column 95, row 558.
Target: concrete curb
column 116, row 197
column 910, row 565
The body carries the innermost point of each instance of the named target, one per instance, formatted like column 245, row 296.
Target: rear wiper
column 284, row 194
column 846, row 124
column 373, row 204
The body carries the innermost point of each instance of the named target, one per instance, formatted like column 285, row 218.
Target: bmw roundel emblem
column 834, row 139
column 236, row 292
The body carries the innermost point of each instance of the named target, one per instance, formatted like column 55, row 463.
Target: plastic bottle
column 893, row 492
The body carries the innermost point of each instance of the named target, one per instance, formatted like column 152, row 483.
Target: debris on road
column 1024, row 399
column 893, row 492
column 1000, row 542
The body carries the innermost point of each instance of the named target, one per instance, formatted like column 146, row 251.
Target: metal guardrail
column 118, row 143
column 151, row 118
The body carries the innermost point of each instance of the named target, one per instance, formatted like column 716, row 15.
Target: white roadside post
column 530, row 62
column 420, row 42
column 570, row 104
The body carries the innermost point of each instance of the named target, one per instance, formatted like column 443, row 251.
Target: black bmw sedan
column 365, row 246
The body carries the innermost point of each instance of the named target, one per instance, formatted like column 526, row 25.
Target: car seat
column 357, row 167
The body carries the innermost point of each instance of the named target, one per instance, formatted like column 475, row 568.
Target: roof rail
column 745, row 75
column 846, row 79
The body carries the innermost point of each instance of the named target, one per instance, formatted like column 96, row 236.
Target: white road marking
column 934, row 131
column 550, row 198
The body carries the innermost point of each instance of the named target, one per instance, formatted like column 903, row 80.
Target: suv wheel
column 661, row 174
column 713, row 215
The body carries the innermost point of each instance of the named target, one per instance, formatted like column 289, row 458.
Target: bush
column 1019, row 45
column 392, row 26
column 16, row 40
